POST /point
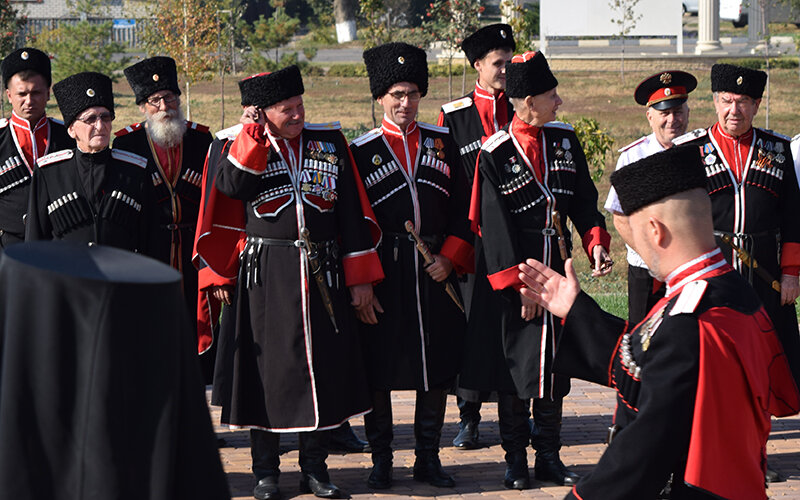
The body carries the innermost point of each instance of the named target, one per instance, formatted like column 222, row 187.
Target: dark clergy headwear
column 393, row 63
column 658, row 176
column 265, row 89
column 529, row 74
column 487, row 39
column 23, row 59
column 82, row 91
column 151, row 75
column 738, row 80
column 665, row 89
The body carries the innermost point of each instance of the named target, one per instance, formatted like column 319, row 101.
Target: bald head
column 671, row 231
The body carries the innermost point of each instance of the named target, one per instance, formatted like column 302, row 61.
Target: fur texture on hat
column 529, row 74
column 658, row 176
column 396, row 62
column 738, row 80
column 152, row 75
column 82, row 91
column 265, row 89
column 487, row 39
column 26, row 58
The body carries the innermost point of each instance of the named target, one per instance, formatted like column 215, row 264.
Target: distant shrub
column 358, row 130
column 347, row 70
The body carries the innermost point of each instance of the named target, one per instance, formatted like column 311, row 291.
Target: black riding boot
column 515, row 435
column 265, row 452
column 313, row 452
column 343, row 439
column 470, row 416
column 428, row 421
column 546, row 440
column 378, row 427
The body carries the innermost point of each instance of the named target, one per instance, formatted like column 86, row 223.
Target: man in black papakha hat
column 755, row 198
column 528, row 171
column 293, row 362
column 90, row 193
column 24, row 138
column 412, row 173
column 698, row 380
column 665, row 96
column 471, row 120
column 175, row 150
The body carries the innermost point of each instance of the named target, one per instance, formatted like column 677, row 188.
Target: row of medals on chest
column 561, row 152
column 645, row 335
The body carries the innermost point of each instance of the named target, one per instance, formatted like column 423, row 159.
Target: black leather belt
column 257, row 240
column 176, row 227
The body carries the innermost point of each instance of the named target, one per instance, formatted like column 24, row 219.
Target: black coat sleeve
column 37, row 222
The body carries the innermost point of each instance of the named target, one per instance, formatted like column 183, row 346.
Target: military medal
column 568, row 156
column 559, row 153
column 516, row 169
column 710, row 159
column 440, row 154
column 650, row 329
column 376, row 160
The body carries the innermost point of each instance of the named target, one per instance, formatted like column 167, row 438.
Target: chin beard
column 166, row 128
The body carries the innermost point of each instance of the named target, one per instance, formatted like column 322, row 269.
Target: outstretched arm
column 549, row 289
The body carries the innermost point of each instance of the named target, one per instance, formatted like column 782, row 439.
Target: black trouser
column 546, row 433
column 428, row 421
column 468, row 411
column 640, row 294
column 265, row 451
column 515, row 433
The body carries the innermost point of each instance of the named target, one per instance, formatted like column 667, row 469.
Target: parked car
column 691, row 6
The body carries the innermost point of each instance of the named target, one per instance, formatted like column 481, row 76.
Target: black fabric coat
column 512, row 223
column 90, row 197
column 100, row 391
column 15, row 178
column 765, row 207
column 176, row 205
column 412, row 346
column 290, row 370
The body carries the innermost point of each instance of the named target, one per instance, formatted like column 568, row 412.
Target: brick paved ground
column 479, row 473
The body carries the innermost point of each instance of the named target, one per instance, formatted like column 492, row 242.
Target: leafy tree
column 524, row 22
column 11, row 22
column 189, row 32
column 270, row 34
column 82, row 46
column 377, row 25
column 596, row 142
column 626, row 10
column 450, row 22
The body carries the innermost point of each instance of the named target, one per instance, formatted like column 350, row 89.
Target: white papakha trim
column 64, row 154
column 495, row 140
column 463, row 103
column 323, row 126
column 129, row 157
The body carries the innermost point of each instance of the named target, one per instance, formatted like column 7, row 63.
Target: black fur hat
column 265, row 89
column 151, row 75
column 487, row 39
column 82, row 91
column 738, row 80
column 529, row 74
column 396, row 62
column 657, row 176
column 26, row 58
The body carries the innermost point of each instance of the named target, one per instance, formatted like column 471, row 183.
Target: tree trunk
column 344, row 12
column 188, row 102
column 450, row 77
column 464, row 76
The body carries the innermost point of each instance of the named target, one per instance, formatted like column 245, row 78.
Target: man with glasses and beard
column 175, row 150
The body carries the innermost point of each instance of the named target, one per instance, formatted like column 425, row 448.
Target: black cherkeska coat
column 90, row 197
column 412, row 346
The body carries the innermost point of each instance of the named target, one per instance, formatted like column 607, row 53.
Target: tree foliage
column 524, row 22
column 85, row 45
column 189, row 32
column 596, row 142
column 267, row 34
column 11, row 21
column 377, row 23
column 625, row 17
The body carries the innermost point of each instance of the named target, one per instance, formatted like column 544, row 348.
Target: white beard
column 166, row 128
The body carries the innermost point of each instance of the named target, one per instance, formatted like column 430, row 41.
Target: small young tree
column 524, row 22
column 626, row 19
column 82, row 46
column 270, row 34
column 187, row 31
column 378, row 31
column 450, row 22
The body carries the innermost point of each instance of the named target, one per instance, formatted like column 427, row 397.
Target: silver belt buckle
column 549, row 231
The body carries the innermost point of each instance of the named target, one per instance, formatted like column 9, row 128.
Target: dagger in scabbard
column 750, row 261
column 315, row 266
column 429, row 259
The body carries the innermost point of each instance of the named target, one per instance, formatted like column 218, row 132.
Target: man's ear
column 656, row 232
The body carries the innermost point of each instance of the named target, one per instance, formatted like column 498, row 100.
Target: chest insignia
column 649, row 329
column 710, row 159
column 376, row 160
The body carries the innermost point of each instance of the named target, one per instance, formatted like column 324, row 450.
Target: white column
column 708, row 27
column 756, row 26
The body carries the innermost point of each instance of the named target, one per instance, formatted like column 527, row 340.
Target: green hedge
column 761, row 63
column 345, row 70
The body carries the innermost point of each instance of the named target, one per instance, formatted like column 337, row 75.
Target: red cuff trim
column 247, row 152
column 791, row 271
column 505, row 279
column 460, row 253
column 362, row 268
column 593, row 237
column 206, row 278
column 790, row 256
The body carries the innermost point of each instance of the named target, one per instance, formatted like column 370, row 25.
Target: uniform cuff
column 460, row 253
column 505, row 279
column 361, row 268
column 593, row 237
column 790, row 258
column 206, row 278
column 249, row 151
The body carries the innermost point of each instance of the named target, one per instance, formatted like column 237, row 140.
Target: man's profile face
column 491, row 69
column 28, row 97
column 285, row 118
column 669, row 123
column 735, row 112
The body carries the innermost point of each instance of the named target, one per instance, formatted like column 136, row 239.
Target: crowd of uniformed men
column 430, row 258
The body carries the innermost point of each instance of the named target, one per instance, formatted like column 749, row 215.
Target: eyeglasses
column 92, row 119
column 156, row 100
column 412, row 96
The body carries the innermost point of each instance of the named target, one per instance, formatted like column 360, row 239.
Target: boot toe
column 555, row 471
column 320, row 487
column 267, row 489
column 467, row 437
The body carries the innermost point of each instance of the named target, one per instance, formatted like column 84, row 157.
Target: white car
column 691, row 6
column 729, row 10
